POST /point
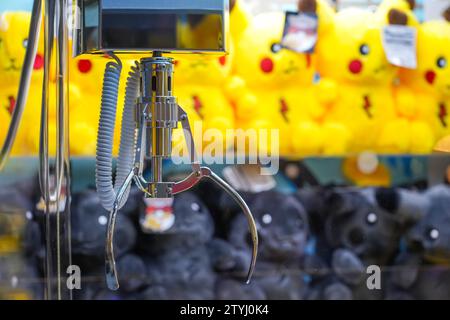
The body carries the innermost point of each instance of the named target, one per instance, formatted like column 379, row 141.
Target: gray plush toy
column 422, row 270
column 283, row 232
column 177, row 260
column 355, row 229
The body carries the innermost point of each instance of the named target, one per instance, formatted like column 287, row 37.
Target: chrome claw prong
column 110, row 263
column 248, row 214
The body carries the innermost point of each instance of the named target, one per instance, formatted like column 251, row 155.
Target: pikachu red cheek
column 355, row 66
column 223, row 61
column 430, row 76
column 267, row 65
column 84, row 66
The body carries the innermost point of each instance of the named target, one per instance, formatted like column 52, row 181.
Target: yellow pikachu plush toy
column 352, row 59
column 412, row 134
column 86, row 74
column 273, row 88
column 14, row 26
column 199, row 87
column 404, row 6
column 87, row 71
column 13, row 43
column 425, row 91
column 240, row 18
column 260, row 78
column 312, row 134
column 4, row 122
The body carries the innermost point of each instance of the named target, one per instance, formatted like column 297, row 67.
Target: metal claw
column 111, row 273
column 201, row 172
column 188, row 137
column 195, row 177
column 248, row 214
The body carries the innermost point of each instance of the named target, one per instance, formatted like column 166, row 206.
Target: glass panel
column 165, row 31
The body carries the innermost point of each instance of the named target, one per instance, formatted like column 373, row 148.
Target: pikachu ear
column 397, row 17
column 307, row 6
column 232, row 4
column 4, row 25
column 412, row 4
column 446, row 14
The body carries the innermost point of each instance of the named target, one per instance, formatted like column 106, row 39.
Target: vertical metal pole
column 62, row 153
column 56, row 184
column 44, row 164
column 157, row 74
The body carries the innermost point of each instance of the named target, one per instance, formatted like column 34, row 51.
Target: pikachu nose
column 355, row 66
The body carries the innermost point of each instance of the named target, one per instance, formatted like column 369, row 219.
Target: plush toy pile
column 317, row 243
column 342, row 97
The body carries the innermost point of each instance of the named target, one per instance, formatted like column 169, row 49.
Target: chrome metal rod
column 112, row 280
column 56, row 185
column 157, row 169
column 44, row 164
column 62, row 94
column 141, row 142
column 25, row 78
column 63, row 235
column 188, row 137
column 49, row 30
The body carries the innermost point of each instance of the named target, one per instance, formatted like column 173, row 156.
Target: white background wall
column 433, row 8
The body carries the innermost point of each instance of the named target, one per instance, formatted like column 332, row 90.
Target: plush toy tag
column 158, row 215
column 400, row 43
column 248, row 178
column 300, row 32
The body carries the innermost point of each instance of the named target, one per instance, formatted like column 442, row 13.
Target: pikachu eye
column 364, row 49
column 276, row 47
column 25, row 43
column 441, row 63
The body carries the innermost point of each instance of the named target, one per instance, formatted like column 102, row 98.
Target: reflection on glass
column 170, row 31
column 196, row 26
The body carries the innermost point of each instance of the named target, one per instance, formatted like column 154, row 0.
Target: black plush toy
column 283, row 232
column 177, row 261
column 132, row 278
column 89, row 221
column 356, row 229
column 19, row 196
column 422, row 271
column 22, row 248
column 222, row 207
